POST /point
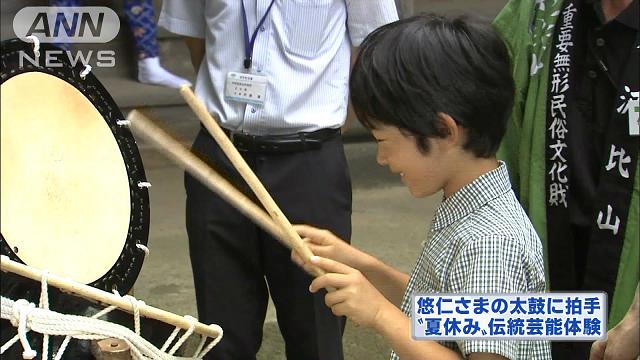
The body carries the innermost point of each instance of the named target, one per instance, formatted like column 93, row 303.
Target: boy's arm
column 356, row 298
column 395, row 327
column 389, row 281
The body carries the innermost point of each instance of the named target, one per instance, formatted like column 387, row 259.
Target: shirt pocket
column 306, row 23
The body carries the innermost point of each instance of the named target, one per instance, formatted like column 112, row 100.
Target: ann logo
column 81, row 24
column 40, row 26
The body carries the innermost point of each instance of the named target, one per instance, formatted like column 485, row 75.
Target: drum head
column 70, row 200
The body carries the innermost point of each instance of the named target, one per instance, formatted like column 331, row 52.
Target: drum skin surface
column 70, row 200
column 67, row 179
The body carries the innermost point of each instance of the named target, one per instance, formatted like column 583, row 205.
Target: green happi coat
column 527, row 26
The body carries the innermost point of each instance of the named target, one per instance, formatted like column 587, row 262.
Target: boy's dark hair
column 410, row 70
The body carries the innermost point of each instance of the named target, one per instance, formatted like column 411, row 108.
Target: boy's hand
column 325, row 244
column 354, row 296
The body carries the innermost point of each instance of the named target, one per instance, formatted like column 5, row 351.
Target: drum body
column 71, row 194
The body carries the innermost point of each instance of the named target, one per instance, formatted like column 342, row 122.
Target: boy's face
column 424, row 174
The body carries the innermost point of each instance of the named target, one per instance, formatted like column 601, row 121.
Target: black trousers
column 236, row 265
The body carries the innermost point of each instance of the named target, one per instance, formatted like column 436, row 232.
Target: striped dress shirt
column 303, row 48
column 481, row 241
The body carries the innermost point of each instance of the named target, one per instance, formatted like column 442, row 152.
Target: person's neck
column 466, row 171
column 612, row 8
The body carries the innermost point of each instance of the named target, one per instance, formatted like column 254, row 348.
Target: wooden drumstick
column 291, row 236
column 94, row 294
column 141, row 124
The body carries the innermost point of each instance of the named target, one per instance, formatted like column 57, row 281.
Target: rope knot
column 29, row 354
column 21, row 310
column 20, row 307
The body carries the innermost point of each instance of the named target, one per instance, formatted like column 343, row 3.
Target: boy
column 436, row 94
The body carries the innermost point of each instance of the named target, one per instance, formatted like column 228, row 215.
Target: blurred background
column 387, row 221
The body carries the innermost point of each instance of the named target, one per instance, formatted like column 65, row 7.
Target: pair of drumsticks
column 275, row 222
column 272, row 221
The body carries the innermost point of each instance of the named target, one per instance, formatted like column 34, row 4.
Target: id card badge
column 245, row 88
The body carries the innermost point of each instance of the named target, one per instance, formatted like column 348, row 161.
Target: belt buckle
column 239, row 141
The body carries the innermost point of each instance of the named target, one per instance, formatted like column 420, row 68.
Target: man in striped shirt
column 436, row 94
column 275, row 74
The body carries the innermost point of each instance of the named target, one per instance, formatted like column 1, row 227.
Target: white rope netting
column 25, row 316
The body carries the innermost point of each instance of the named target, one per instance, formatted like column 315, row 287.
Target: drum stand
column 26, row 316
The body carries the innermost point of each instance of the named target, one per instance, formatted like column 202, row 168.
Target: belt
column 281, row 144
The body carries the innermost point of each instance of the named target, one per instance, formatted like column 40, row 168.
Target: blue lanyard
column 249, row 43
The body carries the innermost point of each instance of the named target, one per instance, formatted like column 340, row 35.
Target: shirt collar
column 472, row 196
column 628, row 16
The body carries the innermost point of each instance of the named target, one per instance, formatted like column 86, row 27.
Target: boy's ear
column 451, row 127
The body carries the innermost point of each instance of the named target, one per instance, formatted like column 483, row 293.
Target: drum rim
column 123, row 274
